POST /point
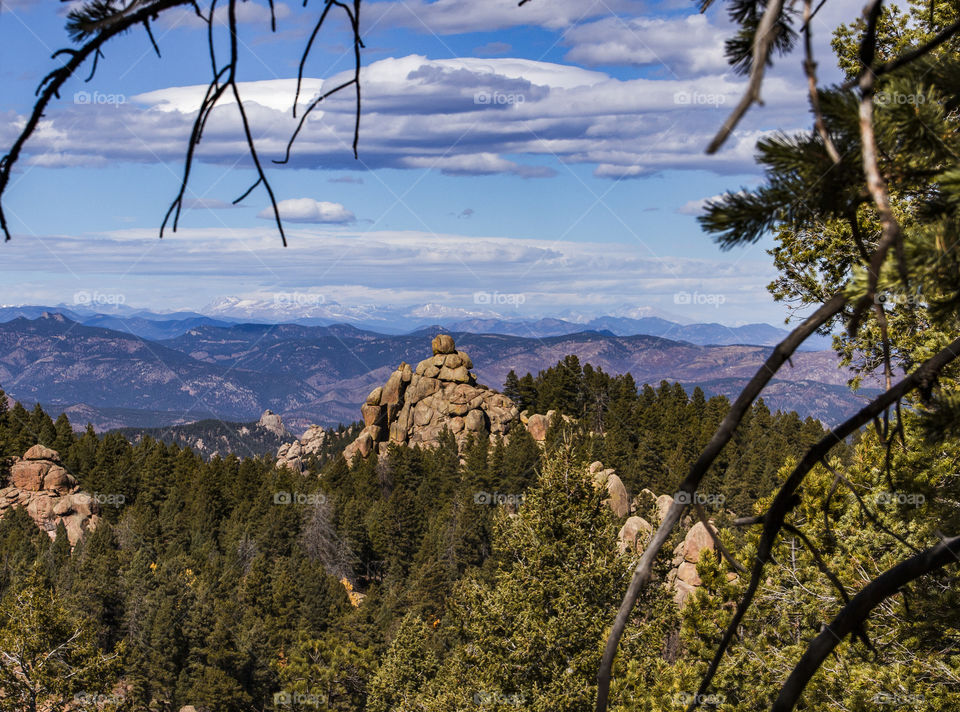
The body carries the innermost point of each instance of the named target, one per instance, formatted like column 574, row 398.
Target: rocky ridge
column 42, row 486
column 417, row 403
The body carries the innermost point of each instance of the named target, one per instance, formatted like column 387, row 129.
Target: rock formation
column 683, row 577
column 40, row 484
column 415, row 404
column 272, row 422
column 634, row 535
column 292, row 455
column 618, row 501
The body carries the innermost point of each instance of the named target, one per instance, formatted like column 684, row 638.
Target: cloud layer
column 398, row 268
column 467, row 116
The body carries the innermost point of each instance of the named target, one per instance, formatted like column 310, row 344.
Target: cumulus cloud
column 681, row 45
column 308, row 210
column 465, row 116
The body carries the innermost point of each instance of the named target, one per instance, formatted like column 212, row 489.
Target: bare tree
column 97, row 22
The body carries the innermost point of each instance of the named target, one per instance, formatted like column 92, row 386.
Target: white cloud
column 699, row 206
column 464, row 116
column 400, row 268
column 308, row 210
column 682, row 45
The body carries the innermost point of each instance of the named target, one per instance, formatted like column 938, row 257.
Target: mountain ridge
column 320, row 374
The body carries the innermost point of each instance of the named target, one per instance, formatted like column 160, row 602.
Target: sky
column 531, row 161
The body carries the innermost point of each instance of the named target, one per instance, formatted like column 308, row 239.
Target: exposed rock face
column 618, row 501
column 664, row 502
column 684, row 578
column 293, row 454
column 272, row 422
column 416, row 404
column 40, row 484
column 634, row 535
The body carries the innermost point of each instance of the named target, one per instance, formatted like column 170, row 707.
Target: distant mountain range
column 157, row 326
column 321, row 374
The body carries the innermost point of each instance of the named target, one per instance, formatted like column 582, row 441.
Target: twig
column 763, row 39
column 810, row 67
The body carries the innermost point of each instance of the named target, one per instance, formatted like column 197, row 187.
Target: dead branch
column 51, row 85
column 785, row 500
column 644, row 569
column 810, row 67
column 763, row 40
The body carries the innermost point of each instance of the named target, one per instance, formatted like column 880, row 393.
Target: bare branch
column 891, row 235
column 763, row 40
column 810, row 67
column 785, row 500
column 54, row 81
column 644, row 569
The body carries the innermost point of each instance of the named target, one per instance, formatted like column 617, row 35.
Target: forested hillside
column 398, row 583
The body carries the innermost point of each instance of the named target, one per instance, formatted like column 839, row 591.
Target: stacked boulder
column 683, row 577
column 292, row 455
column 42, row 486
column 416, row 404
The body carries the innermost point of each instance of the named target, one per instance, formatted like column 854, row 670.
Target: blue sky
column 552, row 151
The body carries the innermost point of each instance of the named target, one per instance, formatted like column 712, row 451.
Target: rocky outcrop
column 683, row 577
column 50, row 495
column 634, row 535
column 618, row 501
column 293, row 455
column 417, row 403
column 272, row 422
